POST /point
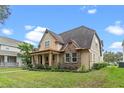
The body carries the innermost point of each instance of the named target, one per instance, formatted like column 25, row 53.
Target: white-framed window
column 68, row 57
column 47, row 44
column 74, row 57
column 71, row 57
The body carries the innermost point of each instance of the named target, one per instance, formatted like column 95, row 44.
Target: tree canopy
column 25, row 52
column 112, row 57
column 4, row 13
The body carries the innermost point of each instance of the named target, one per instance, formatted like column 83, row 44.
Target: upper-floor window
column 47, row 44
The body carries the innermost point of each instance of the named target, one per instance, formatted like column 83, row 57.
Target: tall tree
column 119, row 56
column 112, row 57
column 109, row 57
column 26, row 49
column 4, row 13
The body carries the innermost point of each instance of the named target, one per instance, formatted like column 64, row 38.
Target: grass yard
column 9, row 69
column 107, row 77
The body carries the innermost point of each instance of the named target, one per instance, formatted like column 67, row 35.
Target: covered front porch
column 47, row 57
column 8, row 61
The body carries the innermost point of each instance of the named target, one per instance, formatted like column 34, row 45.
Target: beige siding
column 59, row 46
column 10, row 51
column 53, row 44
column 85, row 58
column 9, row 48
column 95, row 51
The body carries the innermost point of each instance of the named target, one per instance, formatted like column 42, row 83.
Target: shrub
column 24, row 67
column 47, row 67
column 39, row 66
column 98, row 66
column 54, row 68
column 82, row 68
column 68, row 67
column 27, row 67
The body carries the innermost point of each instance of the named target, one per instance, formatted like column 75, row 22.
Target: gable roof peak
column 56, row 36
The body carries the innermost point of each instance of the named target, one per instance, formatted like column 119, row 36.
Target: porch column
column 32, row 60
column 57, row 59
column 50, row 59
column 5, row 60
column 43, row 60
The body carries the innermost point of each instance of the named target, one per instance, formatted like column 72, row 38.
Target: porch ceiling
column 45, row 52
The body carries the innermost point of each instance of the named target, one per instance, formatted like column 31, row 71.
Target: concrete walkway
column 12, row 71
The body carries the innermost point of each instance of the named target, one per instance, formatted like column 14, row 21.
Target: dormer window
column 47, row 44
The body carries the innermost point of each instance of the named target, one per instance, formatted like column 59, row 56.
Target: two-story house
column 9, row 52
column 70, row 49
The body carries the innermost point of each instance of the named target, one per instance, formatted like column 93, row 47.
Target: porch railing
column 8, row 64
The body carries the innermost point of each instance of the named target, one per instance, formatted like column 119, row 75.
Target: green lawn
column 9, row 69
column 107, row 77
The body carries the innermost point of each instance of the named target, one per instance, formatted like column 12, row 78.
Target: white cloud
column 116, row 45
column 7, row 31
column 118, row 22
column 89, row 9
column 92, row 11
column 36, row 34
column 117, row 28
column 40, row 29
column 30, row 42
column 29, row 27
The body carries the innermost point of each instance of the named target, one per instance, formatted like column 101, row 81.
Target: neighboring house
column 70, row 49
column 9, row 52
column 123, row 49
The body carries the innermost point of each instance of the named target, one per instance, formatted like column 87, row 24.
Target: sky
column 28, row 23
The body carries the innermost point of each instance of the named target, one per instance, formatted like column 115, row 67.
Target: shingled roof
column 81, row 35
column 9, row 41
column 58, row 37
